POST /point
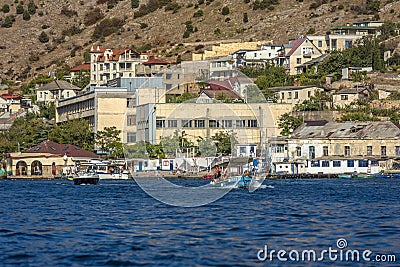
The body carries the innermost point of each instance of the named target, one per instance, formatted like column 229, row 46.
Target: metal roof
column 347, row 130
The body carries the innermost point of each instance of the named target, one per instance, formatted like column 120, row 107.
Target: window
column 41, row 94
column 336, row 163
column 227, row 123
column 131, row 137
column 67, row 94
column 240, row 123
column 309, row 94
column 130, row 120
column 348, row 44
column 383, row 151
column 283, row 95
column 325, row 150
column 319, row 43
column 289, row 95
column 130, row 102
column 298, row 151
column 172, row 124
column 369, row 150
column 315, row 163
column 344, row 97
column 251, row 123
column 296, row 95
column 397, row 150
column 278, row 148
column 160, row 123
column 325, row 163
column 363, row 163
column 350, row 163
column 298, row 60
column 311, row 152
column 242, row 150
column 347, row 150
column 213, row 124
column 199, row 123
column 168, row 86
column 186, row 123
column 168, row 76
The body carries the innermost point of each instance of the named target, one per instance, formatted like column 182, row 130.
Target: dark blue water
column 54, row 223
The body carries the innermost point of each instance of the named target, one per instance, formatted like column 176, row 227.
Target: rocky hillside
column 41, row 36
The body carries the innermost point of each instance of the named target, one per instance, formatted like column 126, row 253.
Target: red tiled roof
column 9, row 96
column 220, row 85
column 61, row 149
column 155, row 61
column 85, row 66
column 295, row 44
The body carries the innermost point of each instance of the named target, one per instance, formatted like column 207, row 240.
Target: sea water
column 54, row 223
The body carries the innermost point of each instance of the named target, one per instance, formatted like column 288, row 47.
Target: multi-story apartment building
column 108, row 64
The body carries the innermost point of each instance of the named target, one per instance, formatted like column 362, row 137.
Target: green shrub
column 8, row 21
column 20, row 9
column 44, row 38
column 107, row 27
column 198, row 13
column 5, row 8
column 32, row 8
column 93, row 16
column 245, row 18
column 225, row 11
column 26, row 15
column 135, row 3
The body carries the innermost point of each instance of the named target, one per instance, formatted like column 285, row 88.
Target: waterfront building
column 339, row 147
column 47, row 159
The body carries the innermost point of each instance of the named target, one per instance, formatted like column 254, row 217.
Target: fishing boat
column 88, row 177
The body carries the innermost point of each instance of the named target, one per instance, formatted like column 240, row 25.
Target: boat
column 383, row 175
column 364, row 175
column 88, row 177
column 107, row 170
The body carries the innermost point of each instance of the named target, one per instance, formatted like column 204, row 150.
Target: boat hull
column 113, row 176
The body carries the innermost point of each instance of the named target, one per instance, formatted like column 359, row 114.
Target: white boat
column 107, row 170
column 88, row 177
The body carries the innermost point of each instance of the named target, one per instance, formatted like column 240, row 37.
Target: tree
column 6, row 8
column 48, row 110
column 225, row 11
column 288, row 123
column 135, row 3
column 20, row 9
column 245, row 18
column 43, row 37
column 77, row 132
column 108, row 140
column 136, row 151
column 31, row 7
column 207, row 147
column 224, row 141
column 8, row 21
column 169, row 144
column 26, row 15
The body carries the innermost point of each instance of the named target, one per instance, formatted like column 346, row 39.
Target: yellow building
column 222, row 49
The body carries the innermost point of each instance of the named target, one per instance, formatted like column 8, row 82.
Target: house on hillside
column 78, row 71
column 56, row 90
column 294, row 94
column 296, row 53
column 151, row 67
column 47, row 159
column 346, row 96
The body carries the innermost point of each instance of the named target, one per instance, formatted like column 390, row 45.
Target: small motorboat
column 88, row 177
